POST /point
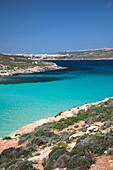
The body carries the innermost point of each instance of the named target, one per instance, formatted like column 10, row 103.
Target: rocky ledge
column 11, row 65
column 30, row 70
column 79, row 138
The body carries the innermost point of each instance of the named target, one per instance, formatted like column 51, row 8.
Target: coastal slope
column 79, row 138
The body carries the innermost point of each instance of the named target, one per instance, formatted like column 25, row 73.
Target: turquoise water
column 52, row 92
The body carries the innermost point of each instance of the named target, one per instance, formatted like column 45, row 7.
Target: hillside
column 97, row 54
column 88, row 54
column 80, row 138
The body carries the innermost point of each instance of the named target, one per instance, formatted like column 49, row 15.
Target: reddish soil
column 104, row 162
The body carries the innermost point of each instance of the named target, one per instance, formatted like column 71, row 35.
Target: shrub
column 95, row 144
column 107, row 124
column 63, row 136
column 14, row 153
column 62, row 161
column 6, row 155
column 64, row 123
column 83, row 129
column 41, row 136
column 12, row 158
column 52, row 141
column 7, row 138
column 23, row 138
column 53, row 157
column 38, row 141
column 80, row 162
column 20, row 165
column 43, row 131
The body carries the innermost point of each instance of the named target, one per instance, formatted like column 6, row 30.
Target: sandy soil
column 104, row 162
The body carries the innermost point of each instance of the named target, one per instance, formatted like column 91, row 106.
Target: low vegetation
column 16, row 158
column 12, row 62
column 82, row 155
column 87, row 55
column 13, row 65
column 58, row 136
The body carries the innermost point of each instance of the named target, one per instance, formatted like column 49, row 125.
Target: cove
column 27, row 98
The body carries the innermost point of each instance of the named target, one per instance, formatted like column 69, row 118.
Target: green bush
column 23, row 138
column 51, row 162
column 18, row 165
column 95, row 144
column 38, row 141
column 43, row 131
column 14, row 153
column 7, row 138
column 62, row 161
column 12, row 158
column 80, row 162
column 64, row 123
column 107, row 124
column 64, row 136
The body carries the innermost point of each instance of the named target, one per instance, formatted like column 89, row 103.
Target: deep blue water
column 27, row 98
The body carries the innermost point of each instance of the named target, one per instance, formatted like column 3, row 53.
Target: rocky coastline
column 65, row 114
column 80, row 137
column 11, row 64
column 29, row 70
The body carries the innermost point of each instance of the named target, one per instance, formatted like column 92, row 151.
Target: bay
column 27, row 98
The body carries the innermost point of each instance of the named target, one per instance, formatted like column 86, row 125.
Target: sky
column 50, row 26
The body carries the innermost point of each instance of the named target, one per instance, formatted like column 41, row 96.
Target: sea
column 30, row 97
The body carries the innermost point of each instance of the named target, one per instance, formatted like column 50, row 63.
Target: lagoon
column 27, row 98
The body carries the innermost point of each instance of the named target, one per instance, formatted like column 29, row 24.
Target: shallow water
column 27, row 98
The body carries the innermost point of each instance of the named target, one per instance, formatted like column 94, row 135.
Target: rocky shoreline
column 30, row 70
column 65, row 114
column 80, row 137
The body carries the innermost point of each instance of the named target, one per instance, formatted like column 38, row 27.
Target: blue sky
column 49, row 26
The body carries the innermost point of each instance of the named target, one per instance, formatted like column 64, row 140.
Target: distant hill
column 97, row 54
column 11, row 64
